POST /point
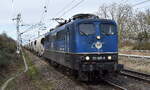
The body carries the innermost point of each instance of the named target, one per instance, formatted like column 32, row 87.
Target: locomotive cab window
column 87, row 29
column 107, row 29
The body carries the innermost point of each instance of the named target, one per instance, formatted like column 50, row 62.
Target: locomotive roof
column 85, row 16
column 59, row 28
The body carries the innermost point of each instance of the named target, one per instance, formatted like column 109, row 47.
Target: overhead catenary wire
column 45, row 7
column 44, row 12
column 123, row 1
column 64, row 8
column 60, row 17
column 32, row 27
column 140, row 3
column 147, row 6
column 41, row 23
column 44, row 15
column 127, row 1
column 12, row 4
column 71, row 8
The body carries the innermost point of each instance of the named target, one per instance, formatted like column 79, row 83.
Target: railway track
column 136, row 75
column 117, row 87
column 145, row 51
column 109, row 84
column 91, row 86
column 135, row 56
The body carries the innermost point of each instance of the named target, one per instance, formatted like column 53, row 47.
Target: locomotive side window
column 60, row 35
column 47, row 38
column 53, row 36
column 107, row 29
column 87, row 29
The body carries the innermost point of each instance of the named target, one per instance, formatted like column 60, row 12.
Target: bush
column 4, row 59
column 142, row 46
column 7, row 50
column 32, row 73
column 143, row 41
column 126, row 43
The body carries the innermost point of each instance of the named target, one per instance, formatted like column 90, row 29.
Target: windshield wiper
column 83, row 33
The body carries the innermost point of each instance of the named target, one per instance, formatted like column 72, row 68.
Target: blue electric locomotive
column 86, row 44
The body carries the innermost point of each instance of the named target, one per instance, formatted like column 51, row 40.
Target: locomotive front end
column 97, row 46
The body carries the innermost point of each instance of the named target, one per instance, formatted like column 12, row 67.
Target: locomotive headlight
column 109, row 57
column 98, row 37
column 87, row 58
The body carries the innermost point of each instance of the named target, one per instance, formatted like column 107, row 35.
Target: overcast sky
column 32, row 10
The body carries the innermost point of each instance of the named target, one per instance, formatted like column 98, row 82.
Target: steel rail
column 115, row 85
column 136, row 75
column 136, row 72
column 134, row 56
column 145, row 51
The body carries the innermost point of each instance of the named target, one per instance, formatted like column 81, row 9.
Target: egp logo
column 98, row 45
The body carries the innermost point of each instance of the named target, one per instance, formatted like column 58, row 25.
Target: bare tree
column 130, row 22
column 103, row 11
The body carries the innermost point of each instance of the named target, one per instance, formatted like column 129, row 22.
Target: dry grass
column 135, row 53
column 134, row 64
column 127, row 48
column 7, row 51
column 9, row 63
column 31, row 80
